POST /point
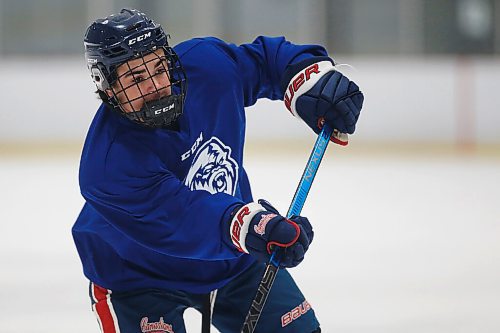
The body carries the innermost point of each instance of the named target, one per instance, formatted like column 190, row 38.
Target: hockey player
column 169, row 216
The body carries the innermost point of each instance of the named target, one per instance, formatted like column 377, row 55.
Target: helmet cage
column 116, row 41
column 163, row 102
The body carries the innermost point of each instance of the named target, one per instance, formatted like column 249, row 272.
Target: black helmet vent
column 134, row 27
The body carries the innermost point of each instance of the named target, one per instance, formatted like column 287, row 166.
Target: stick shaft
column 310, row 170
column 295, row 208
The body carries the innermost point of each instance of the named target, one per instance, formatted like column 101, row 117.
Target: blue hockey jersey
column 158, row 201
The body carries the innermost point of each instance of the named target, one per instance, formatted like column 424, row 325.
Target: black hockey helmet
column 130, row 35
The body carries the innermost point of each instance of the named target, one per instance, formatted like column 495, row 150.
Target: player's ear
column 109, row 93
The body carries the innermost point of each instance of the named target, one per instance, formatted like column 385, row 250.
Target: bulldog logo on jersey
column 213, row 169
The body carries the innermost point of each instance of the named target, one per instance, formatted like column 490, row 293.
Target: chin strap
column 161, row 113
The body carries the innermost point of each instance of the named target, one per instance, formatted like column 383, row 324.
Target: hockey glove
column 257, row 228
column 315, row 92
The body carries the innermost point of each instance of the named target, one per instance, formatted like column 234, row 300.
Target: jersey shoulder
column 113, row 145
column 207, row 47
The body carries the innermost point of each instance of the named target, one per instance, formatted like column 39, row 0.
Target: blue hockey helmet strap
column 130, row 35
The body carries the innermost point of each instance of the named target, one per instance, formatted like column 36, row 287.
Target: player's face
column 142, row 80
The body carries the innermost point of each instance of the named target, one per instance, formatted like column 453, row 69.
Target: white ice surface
column 403, row 244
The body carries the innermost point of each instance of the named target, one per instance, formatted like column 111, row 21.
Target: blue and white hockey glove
column 315, row 92
column 256, row 228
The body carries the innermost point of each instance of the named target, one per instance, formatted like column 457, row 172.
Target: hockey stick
column 295, row 208
column 206, row 313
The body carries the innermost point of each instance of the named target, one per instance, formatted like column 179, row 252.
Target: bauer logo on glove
column 257, row 227
column 317, row 93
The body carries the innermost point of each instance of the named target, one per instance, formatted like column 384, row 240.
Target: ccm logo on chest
column 195, row 146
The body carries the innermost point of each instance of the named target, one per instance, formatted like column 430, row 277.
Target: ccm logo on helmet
column 139, row 38
column 165, row 109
